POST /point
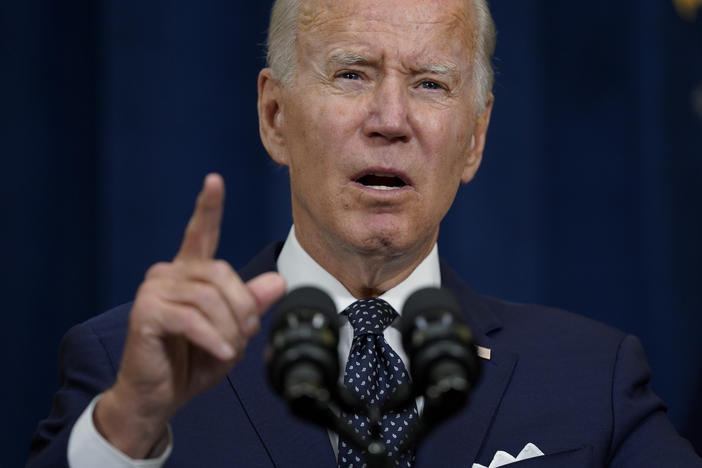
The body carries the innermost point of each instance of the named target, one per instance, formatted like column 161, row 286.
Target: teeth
column 383, row 187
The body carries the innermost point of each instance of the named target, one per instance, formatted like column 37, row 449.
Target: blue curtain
column 112, row 111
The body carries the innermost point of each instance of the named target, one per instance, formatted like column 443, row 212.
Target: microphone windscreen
column 306, row 300
column 428, row 301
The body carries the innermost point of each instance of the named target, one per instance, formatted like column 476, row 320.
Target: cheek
column 449, row 158
column 448, row 146
column 462, row 128
column 444, row 129
column 321, row 128
column 462, row 136
column 335, row 122
column 335, row 110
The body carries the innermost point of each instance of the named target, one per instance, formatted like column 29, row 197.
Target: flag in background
column 688, row 8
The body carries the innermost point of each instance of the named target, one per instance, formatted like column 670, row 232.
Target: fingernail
column 226, row 351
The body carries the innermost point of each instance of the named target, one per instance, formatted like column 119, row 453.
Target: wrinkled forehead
column 453, row 20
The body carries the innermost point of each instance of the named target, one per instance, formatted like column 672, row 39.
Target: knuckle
column 189, row 321
column 244, row 305
column 168, row 287
column 145, row 299
column 155, row 287
column 144, row 314
column 221, row 269
column 159, row 269
column 207, row 296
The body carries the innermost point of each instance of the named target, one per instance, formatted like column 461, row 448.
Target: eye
column 430, row 85
column 349, row 75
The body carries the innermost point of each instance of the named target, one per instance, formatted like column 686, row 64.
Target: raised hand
column 189, row 325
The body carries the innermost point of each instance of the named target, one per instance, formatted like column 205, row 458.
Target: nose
column 388, row 118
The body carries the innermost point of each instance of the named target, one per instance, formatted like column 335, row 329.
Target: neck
column 365, row 273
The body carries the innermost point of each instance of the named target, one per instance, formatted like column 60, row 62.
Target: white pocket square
column 503, row 458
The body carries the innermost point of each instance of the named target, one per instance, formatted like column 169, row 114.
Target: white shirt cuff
column 88, row 449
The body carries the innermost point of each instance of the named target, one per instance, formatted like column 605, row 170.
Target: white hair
column 282, row 42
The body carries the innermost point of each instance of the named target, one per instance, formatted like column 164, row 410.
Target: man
column 380, row 111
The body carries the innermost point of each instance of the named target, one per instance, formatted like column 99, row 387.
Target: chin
column 375, row 241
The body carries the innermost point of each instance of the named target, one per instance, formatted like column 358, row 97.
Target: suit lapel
column 457, row 442
column 289, row 441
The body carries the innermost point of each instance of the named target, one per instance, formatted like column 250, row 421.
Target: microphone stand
column 308, row 398
column 311, row 401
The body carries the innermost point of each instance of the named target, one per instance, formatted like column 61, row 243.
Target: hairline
column 281, row 53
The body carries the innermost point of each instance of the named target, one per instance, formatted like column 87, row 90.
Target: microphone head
column 306, row 304
column 302, row 357
column 426, row 310
column 432, row 302
column 443, row 361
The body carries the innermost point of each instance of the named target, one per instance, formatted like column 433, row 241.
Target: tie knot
column 370, row 316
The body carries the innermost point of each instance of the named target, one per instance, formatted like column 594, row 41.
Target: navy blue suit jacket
column 574, row 387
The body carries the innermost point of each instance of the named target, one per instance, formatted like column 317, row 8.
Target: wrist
column 124, row 423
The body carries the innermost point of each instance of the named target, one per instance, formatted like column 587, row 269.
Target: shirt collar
column 300, row 269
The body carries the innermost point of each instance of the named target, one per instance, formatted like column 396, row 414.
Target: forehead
column 409, row 24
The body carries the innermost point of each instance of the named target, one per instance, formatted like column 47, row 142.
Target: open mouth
column 381, row 181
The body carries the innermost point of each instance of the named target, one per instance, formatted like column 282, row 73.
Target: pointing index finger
column 202, row 233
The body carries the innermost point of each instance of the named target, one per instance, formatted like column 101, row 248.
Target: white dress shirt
column 88, row 449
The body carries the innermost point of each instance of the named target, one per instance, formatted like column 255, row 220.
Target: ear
column 270, row 116
column 477, row 143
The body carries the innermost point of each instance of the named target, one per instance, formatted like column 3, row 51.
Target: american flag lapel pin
column 483, row 352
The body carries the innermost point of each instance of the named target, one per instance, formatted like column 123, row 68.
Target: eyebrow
column 448, row 68
column 347, row 58
column 342, row 57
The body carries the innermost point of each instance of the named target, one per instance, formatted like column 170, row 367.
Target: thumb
column 266, row 288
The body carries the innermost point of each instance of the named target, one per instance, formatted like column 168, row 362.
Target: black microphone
column 302, row 358
column 443, row 360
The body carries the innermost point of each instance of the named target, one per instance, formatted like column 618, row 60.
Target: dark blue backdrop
column 112, row 111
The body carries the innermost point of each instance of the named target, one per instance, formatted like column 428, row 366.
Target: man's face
column 379, row 126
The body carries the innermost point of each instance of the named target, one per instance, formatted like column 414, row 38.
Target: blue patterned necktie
column 373, row 372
